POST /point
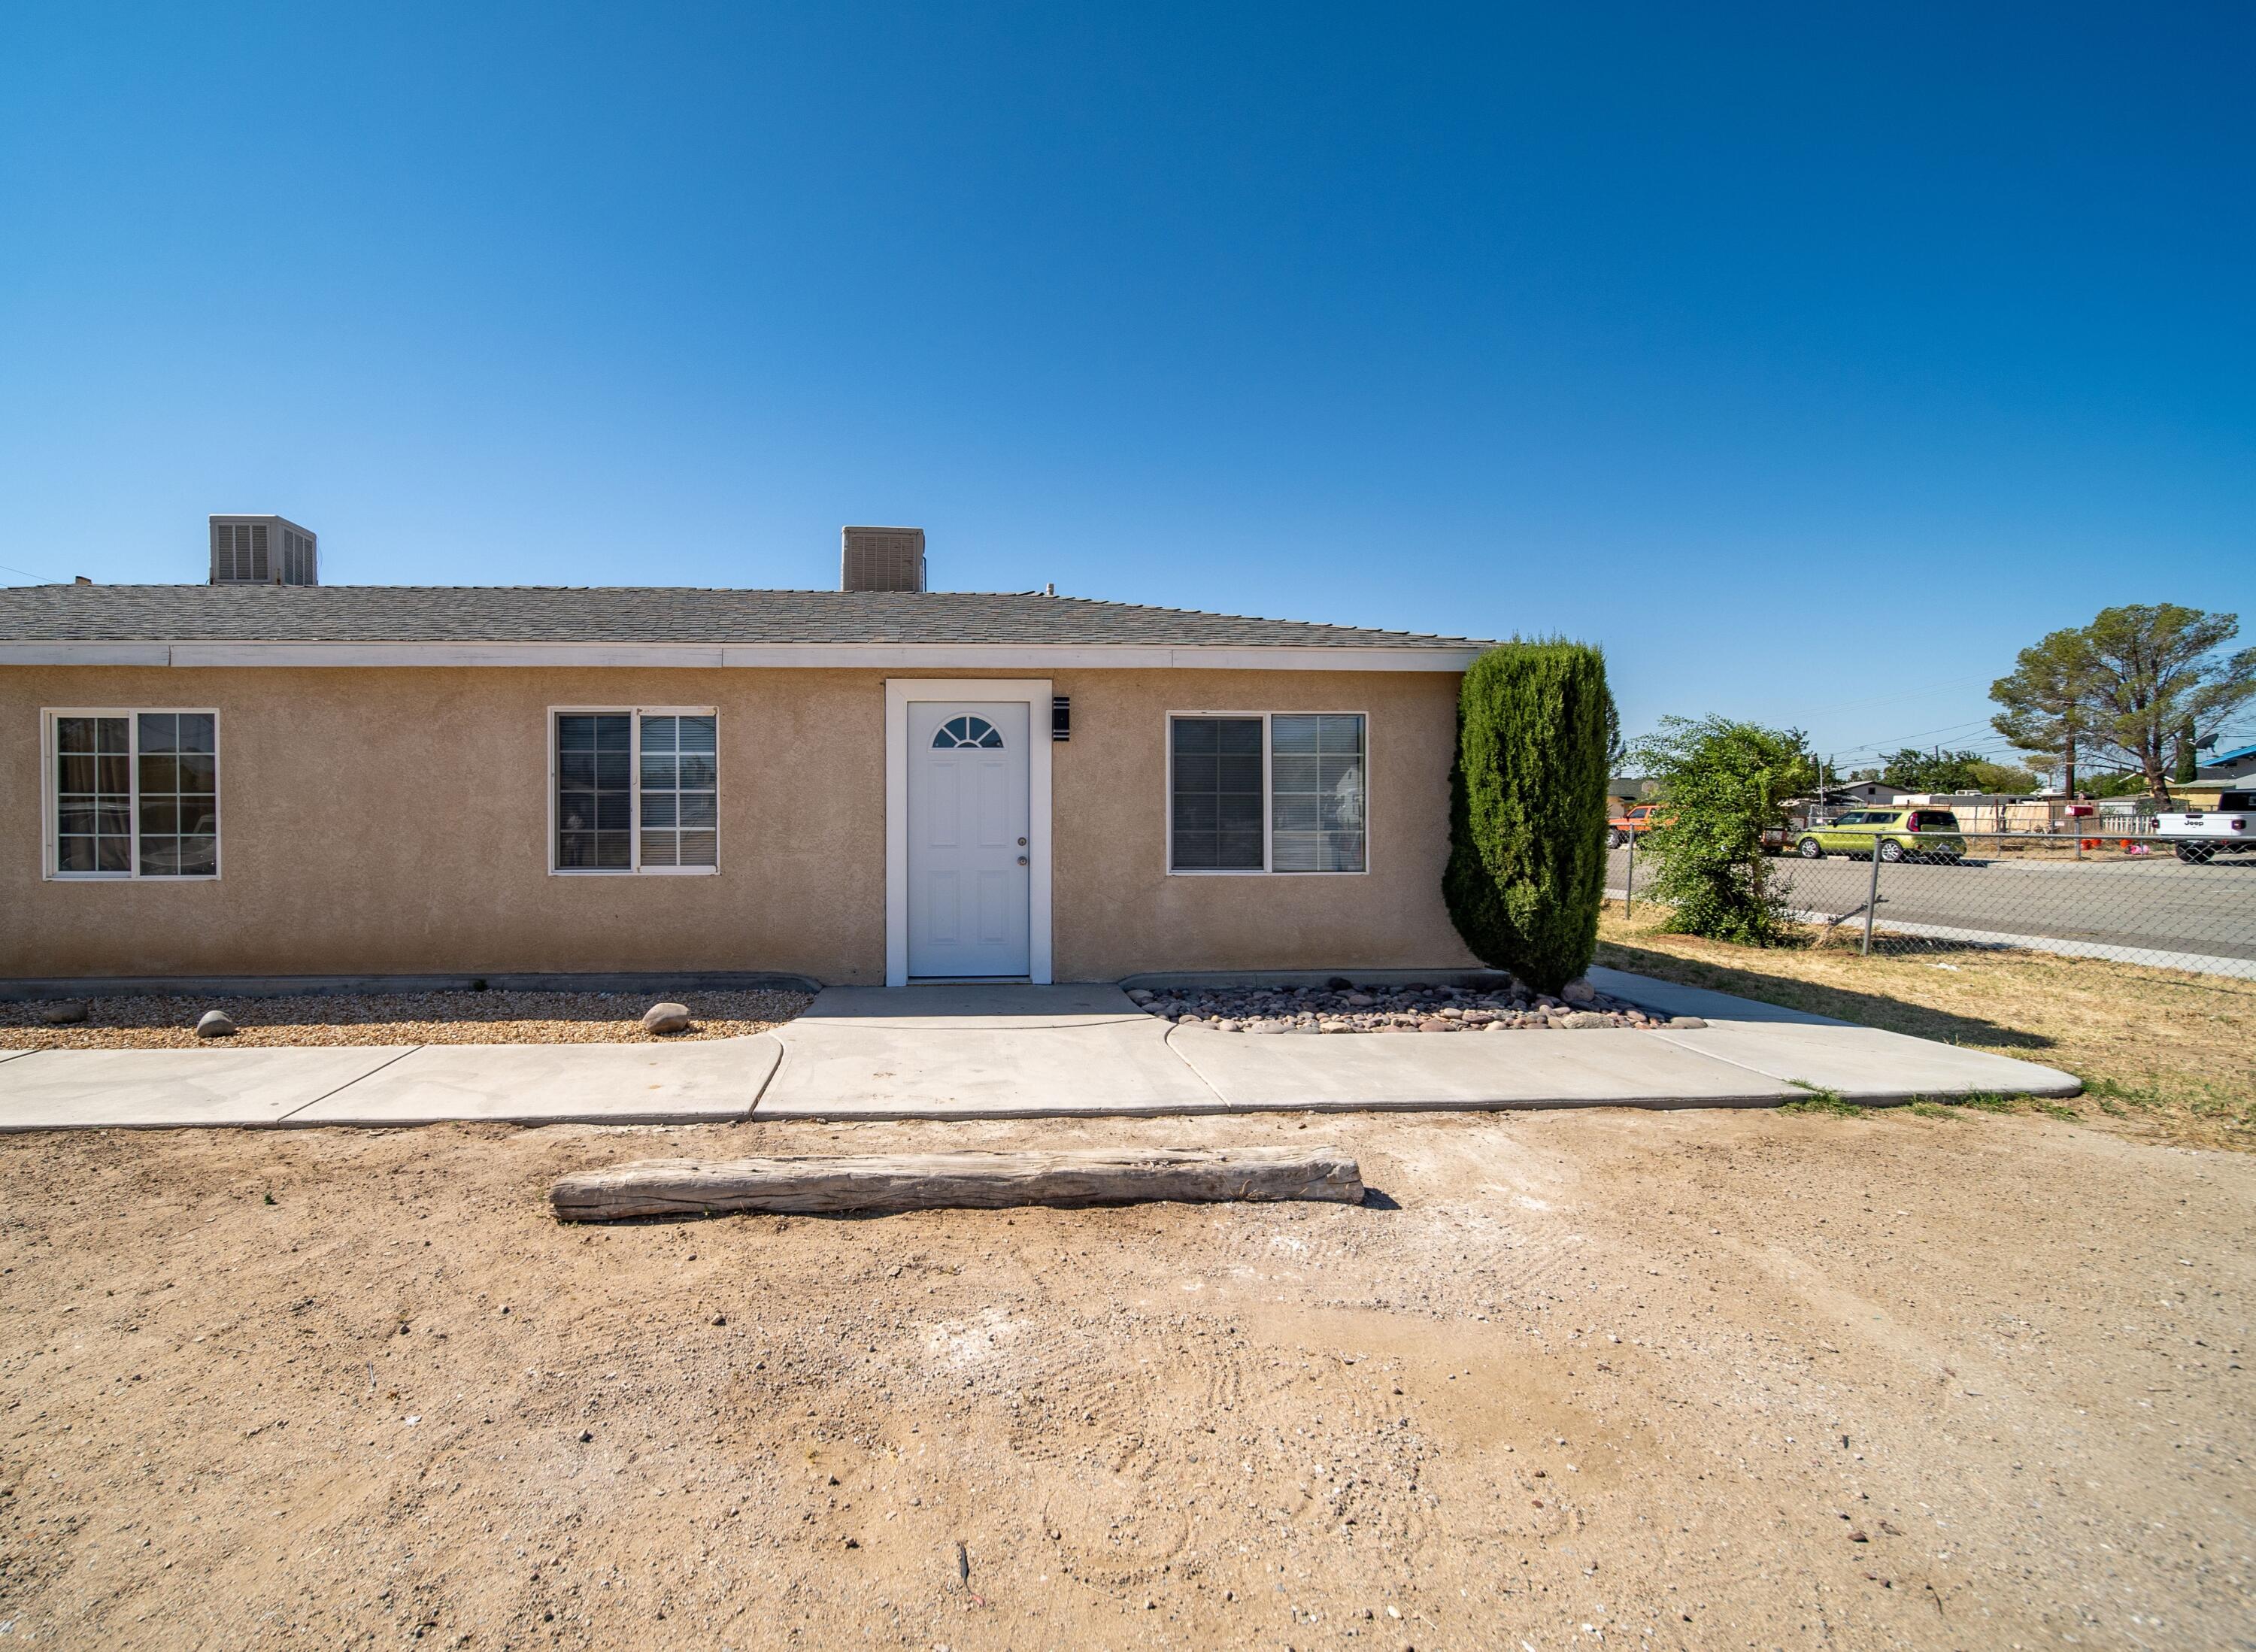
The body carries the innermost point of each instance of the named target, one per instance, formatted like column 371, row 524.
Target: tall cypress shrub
column 1527, row 809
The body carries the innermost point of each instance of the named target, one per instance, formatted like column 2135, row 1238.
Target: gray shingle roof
column 636, row 614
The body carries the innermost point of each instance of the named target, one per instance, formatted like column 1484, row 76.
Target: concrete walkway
column 1012, row 1052
column 707, row 1082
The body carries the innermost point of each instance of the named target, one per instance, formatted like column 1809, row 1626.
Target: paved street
column 2149, row 903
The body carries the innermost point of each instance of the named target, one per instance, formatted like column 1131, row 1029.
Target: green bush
column 1527, row 809
column 1723, row 783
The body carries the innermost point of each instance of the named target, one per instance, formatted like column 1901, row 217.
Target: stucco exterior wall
column 396, row 821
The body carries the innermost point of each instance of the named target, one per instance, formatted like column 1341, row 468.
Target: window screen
column 1215, row 811
column 595, row 791
column 1317, row 793
column 677, row 791
column 179, row 802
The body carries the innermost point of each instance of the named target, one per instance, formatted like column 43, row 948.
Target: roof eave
column 768, row 656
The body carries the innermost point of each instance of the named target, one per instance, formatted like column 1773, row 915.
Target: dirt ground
column 1706, row 1379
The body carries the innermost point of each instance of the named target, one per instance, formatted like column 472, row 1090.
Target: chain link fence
column 2125, row 896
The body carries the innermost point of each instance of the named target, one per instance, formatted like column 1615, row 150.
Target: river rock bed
column 1341, row 1006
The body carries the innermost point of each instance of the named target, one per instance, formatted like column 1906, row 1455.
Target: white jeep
column 2201, row 835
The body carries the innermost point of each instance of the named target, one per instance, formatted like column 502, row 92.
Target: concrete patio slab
column 697, row 1082
column 1666, row 997
column 988, row 1051
column 978, row 1051
column 1381, row 1072
column 958, row 1005
column 10, row 1054
column 1864, row 1063
column 165, row 1089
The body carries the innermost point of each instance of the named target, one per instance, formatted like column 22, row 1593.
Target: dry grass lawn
column 2162, row 1053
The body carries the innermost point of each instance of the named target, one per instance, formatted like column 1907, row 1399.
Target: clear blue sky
column 1810, row 358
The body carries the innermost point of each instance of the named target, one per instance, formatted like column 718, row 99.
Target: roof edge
column 1391, row 656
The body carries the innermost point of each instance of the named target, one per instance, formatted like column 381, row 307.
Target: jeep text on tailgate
column 2203, row 834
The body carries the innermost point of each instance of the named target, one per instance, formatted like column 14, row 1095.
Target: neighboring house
column 859, row 785
column 1995, row 811
column 1623, row 790
column 2237, row 764
column 1867, row 793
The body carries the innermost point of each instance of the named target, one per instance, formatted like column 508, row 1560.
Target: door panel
column 969, row 880
column 943, row 909
column 943, row 820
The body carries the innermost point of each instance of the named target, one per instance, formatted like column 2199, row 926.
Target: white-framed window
column 633, row 790
column 1267, row 792
column 130, row 792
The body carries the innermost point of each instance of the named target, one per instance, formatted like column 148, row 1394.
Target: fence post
column 1629, row 883
column 1872, row 894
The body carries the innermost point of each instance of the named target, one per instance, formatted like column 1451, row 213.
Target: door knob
column 1022, row 860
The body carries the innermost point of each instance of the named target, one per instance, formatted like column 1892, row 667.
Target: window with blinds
column 1215, row 800
column 1269, row 792
column 679, row 792
column 637, row 790
column 1316, row 793
column 134, row 794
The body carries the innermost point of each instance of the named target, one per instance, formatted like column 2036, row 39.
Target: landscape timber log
column 929, row 1181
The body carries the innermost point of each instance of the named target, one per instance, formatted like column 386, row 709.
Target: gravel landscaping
column 1340, row 1005
column 392, row 1018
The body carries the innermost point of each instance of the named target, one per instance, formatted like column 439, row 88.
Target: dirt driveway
column 1705, row 1379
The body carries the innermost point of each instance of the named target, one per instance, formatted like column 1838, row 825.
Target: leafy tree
column 2156, row 669
column 1917, row 771
column 2128, row 686
column 2044, row 699
column 1528, row 809
column 2003, row 779
column 1726, row 783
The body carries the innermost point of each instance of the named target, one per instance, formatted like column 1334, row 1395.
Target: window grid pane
column 94, row 800
column 679, row 792
column 178, row 824
column 1317, row 793
column 1215, row 811
column 595, row 793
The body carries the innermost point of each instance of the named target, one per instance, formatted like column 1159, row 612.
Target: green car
column 1905, row 834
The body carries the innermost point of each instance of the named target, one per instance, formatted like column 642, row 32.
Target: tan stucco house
column 858, row 785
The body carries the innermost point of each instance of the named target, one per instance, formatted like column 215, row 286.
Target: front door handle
column 1022, row 860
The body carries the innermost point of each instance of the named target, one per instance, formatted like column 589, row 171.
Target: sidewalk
column 1012, row 1052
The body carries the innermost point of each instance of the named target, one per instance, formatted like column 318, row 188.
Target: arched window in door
column 962, row 732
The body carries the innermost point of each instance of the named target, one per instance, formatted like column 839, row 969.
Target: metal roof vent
column 263, row 550
column 881, row 559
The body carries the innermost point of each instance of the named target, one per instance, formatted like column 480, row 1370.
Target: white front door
column 968, row 861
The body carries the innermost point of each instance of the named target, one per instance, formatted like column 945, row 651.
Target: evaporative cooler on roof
column 263, row 550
